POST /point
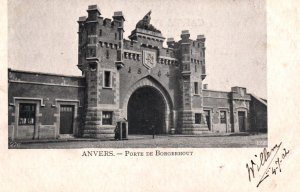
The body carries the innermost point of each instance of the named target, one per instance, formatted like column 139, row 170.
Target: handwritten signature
column 269, row 161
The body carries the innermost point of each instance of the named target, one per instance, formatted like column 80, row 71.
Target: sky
column 42, row 35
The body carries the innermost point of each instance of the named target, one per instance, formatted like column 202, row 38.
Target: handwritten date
column 268, row 162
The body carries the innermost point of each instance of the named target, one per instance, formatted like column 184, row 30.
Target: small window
column 107, row 79
column 197, row 118
column 196, row 88
column 27, row 114
column 100, row 32
column 93, row 66
column 92, row 29
column 107, row 117
column 195, row 68
column 92, row 52
column 107, row 54
column 223, row 117
column 116, row 36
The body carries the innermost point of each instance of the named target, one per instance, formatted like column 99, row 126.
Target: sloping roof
column 259, row 99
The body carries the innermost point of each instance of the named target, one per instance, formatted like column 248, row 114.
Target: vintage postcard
column 149, row 95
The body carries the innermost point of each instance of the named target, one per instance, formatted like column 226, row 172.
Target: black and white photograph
column 149, row 95
column 105, row 77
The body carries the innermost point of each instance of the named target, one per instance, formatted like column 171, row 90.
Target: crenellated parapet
column 98, row 37
column 190, row 53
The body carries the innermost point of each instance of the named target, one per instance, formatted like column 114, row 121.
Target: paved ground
column 146, row 141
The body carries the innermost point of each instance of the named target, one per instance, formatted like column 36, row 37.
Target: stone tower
column 191, row 54
column 100, row 54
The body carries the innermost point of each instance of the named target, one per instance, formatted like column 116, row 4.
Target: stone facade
column 116, row 72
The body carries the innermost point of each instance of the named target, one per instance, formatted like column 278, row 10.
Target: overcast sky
column 43, row 35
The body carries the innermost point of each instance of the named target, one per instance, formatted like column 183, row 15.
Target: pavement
column 132, row 137
column 215, row 140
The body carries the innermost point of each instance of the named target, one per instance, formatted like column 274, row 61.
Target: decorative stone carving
column 145, row 23
column 149, row 59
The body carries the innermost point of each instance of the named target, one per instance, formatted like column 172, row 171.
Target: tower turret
column 100, row 57
column 192, row 115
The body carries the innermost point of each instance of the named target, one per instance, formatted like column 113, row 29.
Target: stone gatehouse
column 137, row 80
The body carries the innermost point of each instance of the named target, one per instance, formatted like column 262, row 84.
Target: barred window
column 27, row 114
column 223, row 117
column 107, row 117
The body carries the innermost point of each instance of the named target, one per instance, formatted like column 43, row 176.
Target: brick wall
column 47, row 91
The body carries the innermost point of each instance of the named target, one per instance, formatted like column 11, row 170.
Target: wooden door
column 66, row 119
column 242, row 121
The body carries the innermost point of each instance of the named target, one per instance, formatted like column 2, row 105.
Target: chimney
column 170, row 42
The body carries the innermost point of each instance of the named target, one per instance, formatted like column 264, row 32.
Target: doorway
column 242, row 121
column 66, row 119
column 207, row 117
column 146, row 112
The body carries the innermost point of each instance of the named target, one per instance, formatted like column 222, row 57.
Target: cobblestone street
column 146, row 141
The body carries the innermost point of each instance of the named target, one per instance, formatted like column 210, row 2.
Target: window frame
column 196, row 88
column 225, row 117
column 197, row 118
column 110, row 119
column 110, row 79
column 32, row 114
column 107, row 54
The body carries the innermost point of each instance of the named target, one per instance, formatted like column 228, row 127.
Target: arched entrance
column 146, row 111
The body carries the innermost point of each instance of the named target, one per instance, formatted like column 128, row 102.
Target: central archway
column 146, row 111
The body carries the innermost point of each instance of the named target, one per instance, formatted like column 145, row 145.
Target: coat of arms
column 149, row 59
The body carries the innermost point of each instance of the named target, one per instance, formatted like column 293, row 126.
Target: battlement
column 105, row 40
column 94, row 16
column 93, row 8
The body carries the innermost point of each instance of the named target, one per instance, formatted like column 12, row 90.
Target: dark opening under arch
column 146, row 111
